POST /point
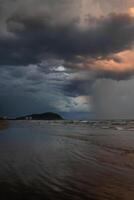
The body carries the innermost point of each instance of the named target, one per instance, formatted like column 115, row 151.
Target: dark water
column 65, row 162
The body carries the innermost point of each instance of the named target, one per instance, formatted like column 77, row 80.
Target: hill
column 42, row 116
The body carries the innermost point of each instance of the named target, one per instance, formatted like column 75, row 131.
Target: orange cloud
column 120, row 62
column 131, row 12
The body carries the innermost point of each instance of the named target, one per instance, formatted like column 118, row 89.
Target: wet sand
column 3, row 124
column 66, row 162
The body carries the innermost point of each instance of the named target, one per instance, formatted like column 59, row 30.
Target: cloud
column 51, row 57
column 79, row 83
column 117, row 66
column 32, row 31
column 120, row 62
column 29, row 90
column 75, row 104
column 115, row 5
column 37, row 36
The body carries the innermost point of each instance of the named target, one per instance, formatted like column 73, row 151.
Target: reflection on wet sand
column 3, row 124
column 66, row 162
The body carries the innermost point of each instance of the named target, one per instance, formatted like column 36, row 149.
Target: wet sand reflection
column 75, row 162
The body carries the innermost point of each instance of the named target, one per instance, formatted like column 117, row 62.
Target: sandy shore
column 3, row 124
column 66, row 161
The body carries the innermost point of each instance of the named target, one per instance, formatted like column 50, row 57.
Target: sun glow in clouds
column 120, row 62
column 131, row 12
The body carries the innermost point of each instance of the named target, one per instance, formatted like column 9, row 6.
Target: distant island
column 42, row 116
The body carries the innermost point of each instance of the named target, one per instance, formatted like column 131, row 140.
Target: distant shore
column 3, row 124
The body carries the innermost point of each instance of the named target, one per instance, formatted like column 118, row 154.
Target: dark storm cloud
column 39, row 37
column 79, row 86
column 27, row 89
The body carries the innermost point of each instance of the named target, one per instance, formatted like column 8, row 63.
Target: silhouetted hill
column 42, row 116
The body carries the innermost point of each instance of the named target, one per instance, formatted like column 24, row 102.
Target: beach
column 61, row 161
column 3, row 124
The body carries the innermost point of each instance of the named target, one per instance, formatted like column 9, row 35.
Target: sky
column 73, row 57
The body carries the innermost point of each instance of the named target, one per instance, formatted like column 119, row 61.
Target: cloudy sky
column 74, row 57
